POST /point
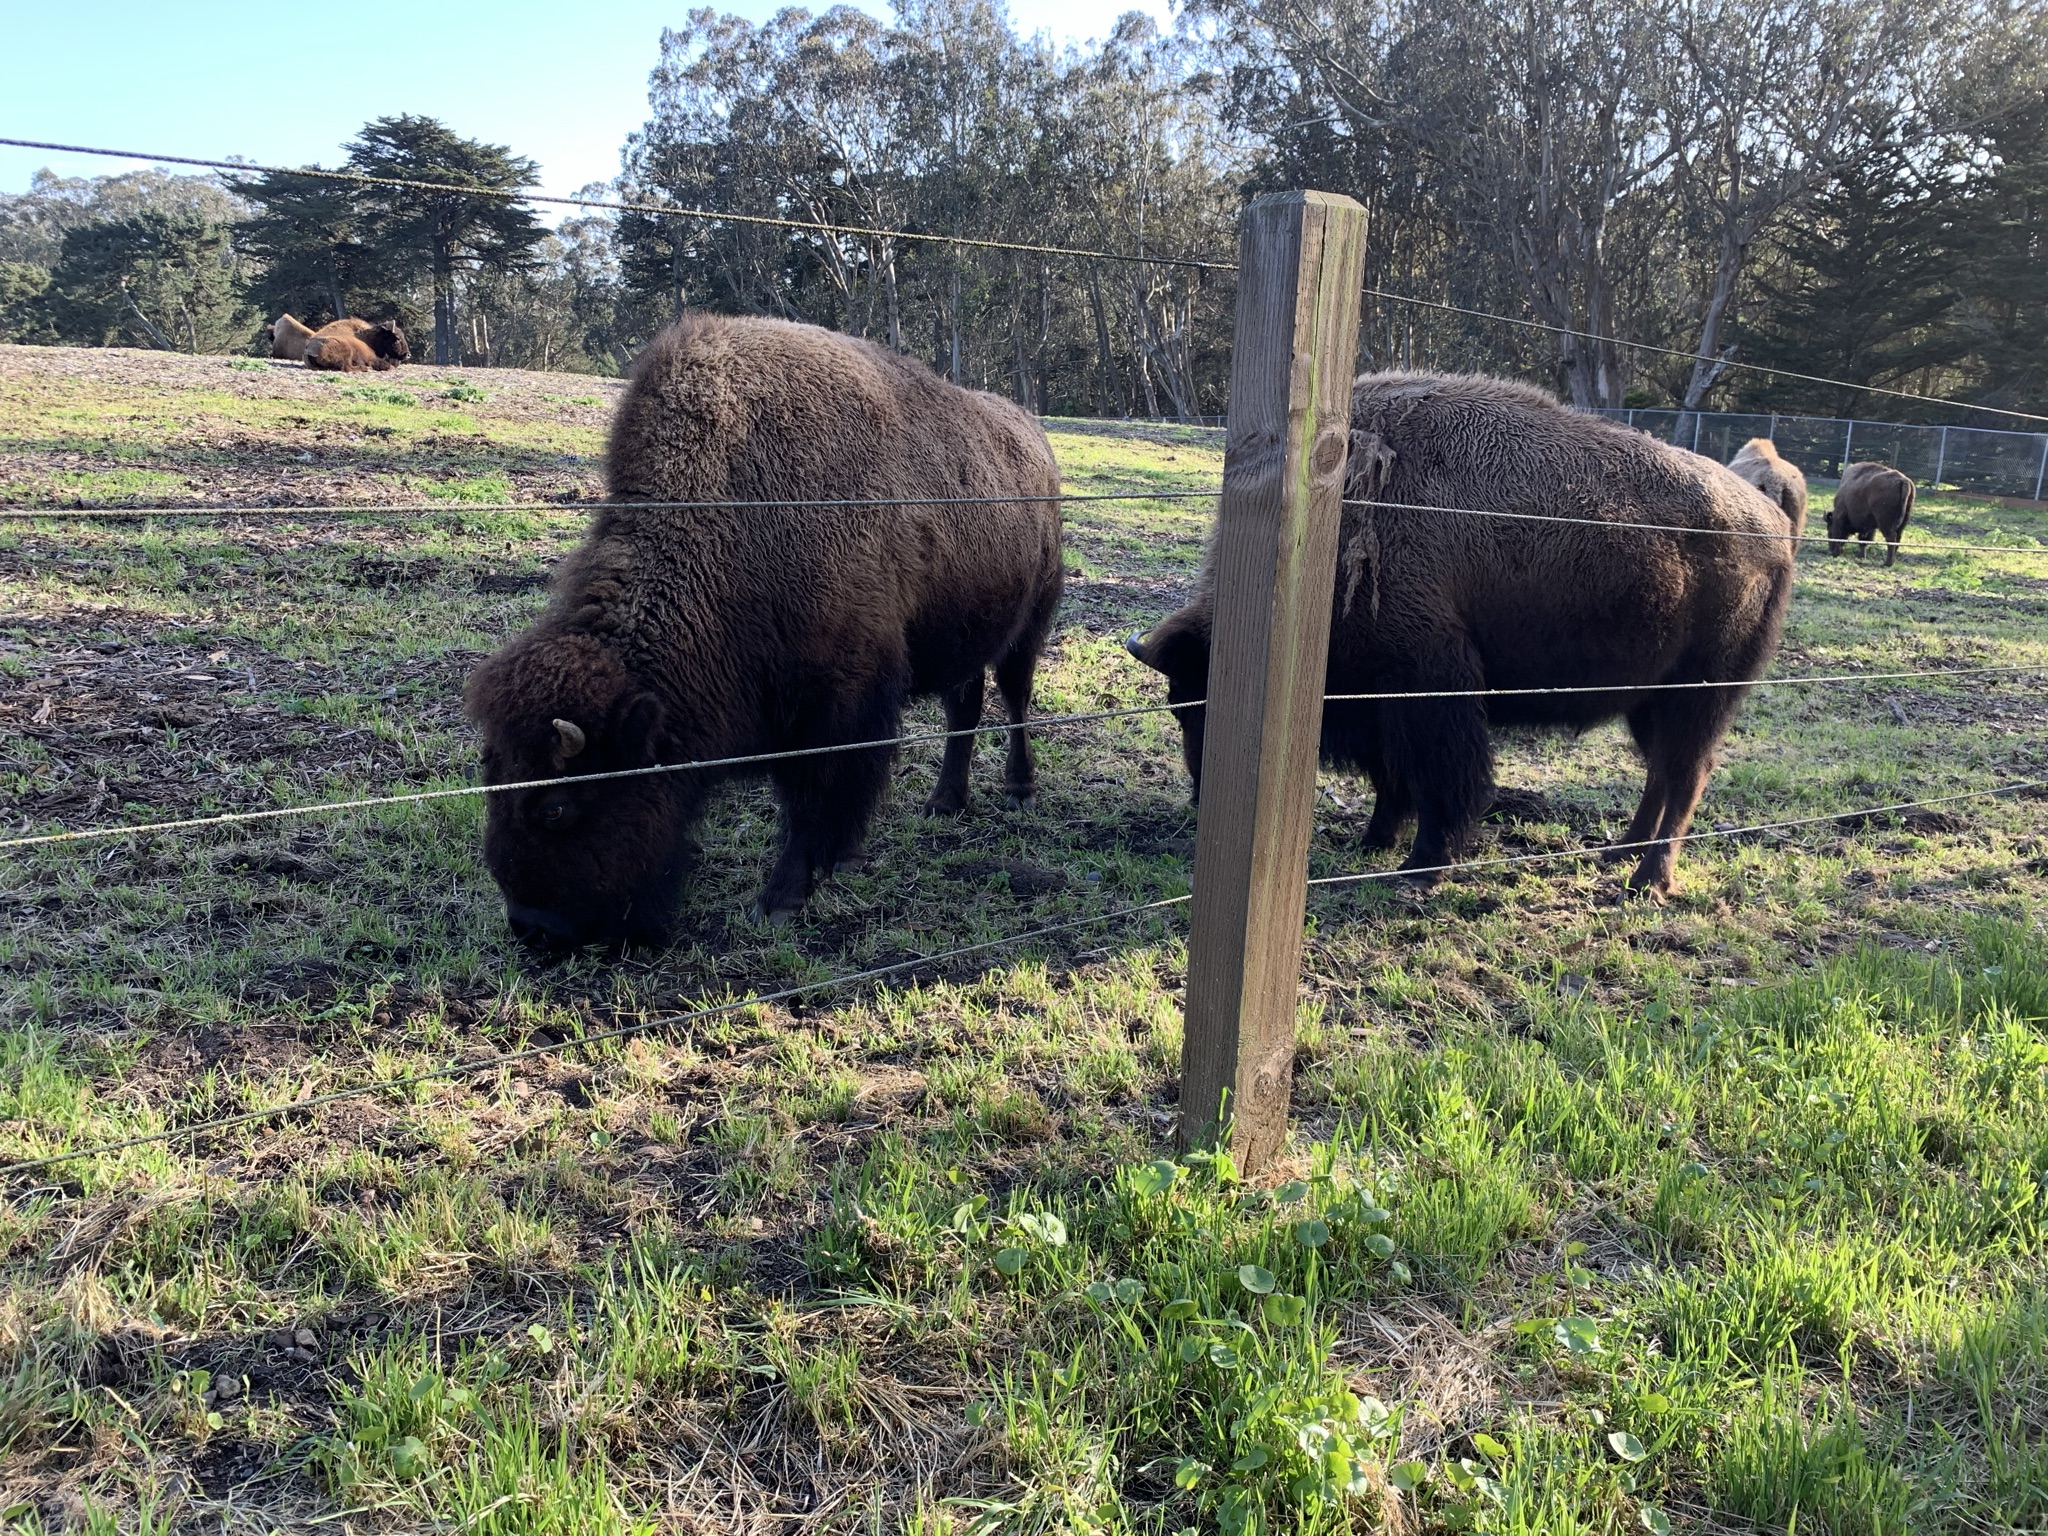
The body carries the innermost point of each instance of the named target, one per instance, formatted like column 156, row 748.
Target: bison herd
column 805, row 531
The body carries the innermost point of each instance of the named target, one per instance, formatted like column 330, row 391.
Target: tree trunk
column 953, row 318
column 1144, row 349
column 889, row 290
column 1044, row 335
column 1112, row 381
column 334, row 293
column 447, row 343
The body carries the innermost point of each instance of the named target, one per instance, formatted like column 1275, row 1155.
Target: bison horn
column 1134, row 642
column 572, row 737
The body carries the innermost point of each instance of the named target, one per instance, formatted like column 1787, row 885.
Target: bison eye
column 554, row 815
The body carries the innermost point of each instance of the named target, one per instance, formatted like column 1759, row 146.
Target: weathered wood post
column 1301, row 260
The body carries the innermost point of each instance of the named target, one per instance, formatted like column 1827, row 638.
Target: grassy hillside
column 1725, row 1213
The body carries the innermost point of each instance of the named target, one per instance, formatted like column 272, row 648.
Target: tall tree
column 306, row 236
column 164, row 280
column 1862, row 287
column 443, row 235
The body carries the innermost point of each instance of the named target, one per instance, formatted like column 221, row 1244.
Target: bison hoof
column 1022, row 799
column 780, row 917
column 1652, row 887
column 946, row 803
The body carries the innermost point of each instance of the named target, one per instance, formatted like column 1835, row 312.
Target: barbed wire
column 507, row 1058
column 235, row 818
column 620, row 205
column 1608, row 849
column 1694, row 357
column 503, row 1059
column 245, row 168
column 402, row 509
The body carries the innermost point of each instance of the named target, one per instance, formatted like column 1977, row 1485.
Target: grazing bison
column 1759, row 463
column 288, row 338
column 680, row 634
column 1872, row 499
column 1431, row 600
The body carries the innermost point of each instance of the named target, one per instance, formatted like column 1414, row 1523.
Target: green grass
column 1726, row 1214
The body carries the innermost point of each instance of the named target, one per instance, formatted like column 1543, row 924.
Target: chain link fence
column 1977, row 459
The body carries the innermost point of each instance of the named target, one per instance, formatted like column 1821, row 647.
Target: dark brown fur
column 288, row 338
column 1760, row 463
column 1430, row 600
column 679, row 635
column 1872, row 499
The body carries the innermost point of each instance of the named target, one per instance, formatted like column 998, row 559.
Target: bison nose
column 538, row 928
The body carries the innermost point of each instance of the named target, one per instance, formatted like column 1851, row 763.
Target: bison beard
column 1429, row 601
column 685, row 634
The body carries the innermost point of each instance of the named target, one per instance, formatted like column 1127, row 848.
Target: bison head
column 1179, row 647
column 387, row 339
column 579, row 863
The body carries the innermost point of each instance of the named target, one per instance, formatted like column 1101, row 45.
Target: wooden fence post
column 1301, row 261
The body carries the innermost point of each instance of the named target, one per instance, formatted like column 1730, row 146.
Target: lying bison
column 1431, row 600
column 288, row 338
column 357, row 346
column 1759, row 463
column 1872, row 499
column 682, row 634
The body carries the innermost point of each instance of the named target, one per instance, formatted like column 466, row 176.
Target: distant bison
column 680, row 634
column 1429, row 600
column 1759, row 463
column 1872, row 499
column 357, row 346
column 288, row 338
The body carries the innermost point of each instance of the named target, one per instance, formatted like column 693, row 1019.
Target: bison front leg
column 1687, row 731
column 827, row 803
column 1439, row 747
column 1642, row 725
column 963, row 713
column 1013, row 681
column 1393, row 807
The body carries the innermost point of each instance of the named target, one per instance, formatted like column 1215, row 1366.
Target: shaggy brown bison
column 686, row 634
column 288, row 338
column 1430, row 600
column 1872, row 499
column 357, row 346
column 1760, row 464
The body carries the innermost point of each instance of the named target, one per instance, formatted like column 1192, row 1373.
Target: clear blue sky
column 562, row 83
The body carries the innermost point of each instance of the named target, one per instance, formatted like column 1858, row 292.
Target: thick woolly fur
column 1429, row 600
column 684, row 634
column 1872, row 499
column 1780, row 480
column 354, row 345
column 288, row 339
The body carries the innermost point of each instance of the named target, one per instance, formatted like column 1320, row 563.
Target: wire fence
column 913, row 738
column 1959, row 452
column 244, row 167
column 1977, row 459
column 498, row 1061
column 2017, row 544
